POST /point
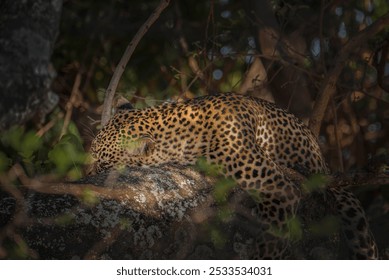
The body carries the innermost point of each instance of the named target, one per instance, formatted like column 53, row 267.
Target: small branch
column 337, row 140
column 322, row 45
column 109, row 94
column 49, row 125
column 255, row 77
column 328, row 88
column 345, row 180
column 381, row 66
column 192, row 62
column 9, row 230
column 210, row 21
column 71, row 103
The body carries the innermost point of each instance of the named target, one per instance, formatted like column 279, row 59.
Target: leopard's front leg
column 276, row 195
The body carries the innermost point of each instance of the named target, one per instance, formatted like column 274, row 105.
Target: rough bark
column 170, row 212
column 28, row 30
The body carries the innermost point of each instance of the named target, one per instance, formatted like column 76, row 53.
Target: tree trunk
column 28, row 30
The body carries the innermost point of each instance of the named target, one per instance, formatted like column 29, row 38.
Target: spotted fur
column 251, row 138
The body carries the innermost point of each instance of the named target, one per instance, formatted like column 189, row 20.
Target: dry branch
column 109, row 94
column 71, row 103
column 256, row 77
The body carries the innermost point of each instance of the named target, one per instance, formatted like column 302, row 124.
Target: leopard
column 253, row 141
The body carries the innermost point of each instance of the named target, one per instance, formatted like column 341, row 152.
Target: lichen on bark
column 28, row 30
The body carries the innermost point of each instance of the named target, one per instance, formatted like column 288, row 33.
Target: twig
column 337, row 140
column 49, row 125
column 9, row 230
column 197, row 77
column 381, row 66
column 109, row 94
column 256, row 76
column 377, row 92
column 321, row 22
column 71, row 103
column 210, row 18
column 192, row 62
column 328, row 88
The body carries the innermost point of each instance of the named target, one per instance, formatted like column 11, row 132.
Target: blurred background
column 277, row 50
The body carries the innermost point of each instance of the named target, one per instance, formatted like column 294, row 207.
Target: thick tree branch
column 328, row 88
column 167, row 211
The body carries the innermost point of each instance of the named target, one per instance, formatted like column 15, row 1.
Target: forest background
column 325, row 61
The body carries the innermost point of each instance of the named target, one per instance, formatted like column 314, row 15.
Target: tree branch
column 109, row 94
column 154, row 211
column 328, row 88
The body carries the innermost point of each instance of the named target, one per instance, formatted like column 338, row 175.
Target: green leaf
column 74, row 173
column 315, row 182
column 89, row 198
column 218, row 238
column 210, row 169
column 67, row 154
column 29, row 145
column 25, row 144
column 225, row 213
column 222, row 188
column 12, row 137
column 295, row 228
column 18, row 250
column 5, row 162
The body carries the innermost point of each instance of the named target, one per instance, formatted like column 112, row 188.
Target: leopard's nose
column 90, row 169
column 91, row 166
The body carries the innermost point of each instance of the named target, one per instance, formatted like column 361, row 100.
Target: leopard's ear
column 149, row 144
column 125, row 106
column 143, row 146
column 122, row 104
